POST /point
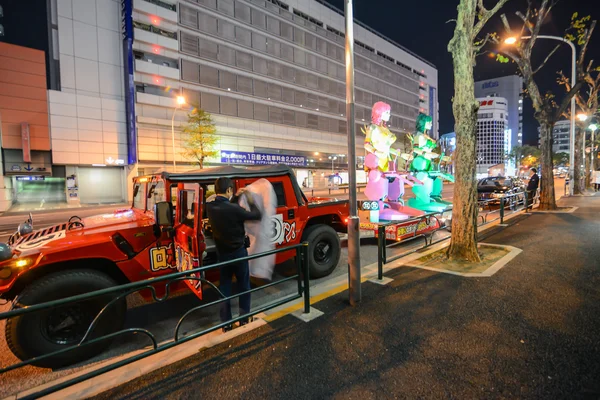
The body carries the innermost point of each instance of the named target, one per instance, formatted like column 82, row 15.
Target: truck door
column 189, row 241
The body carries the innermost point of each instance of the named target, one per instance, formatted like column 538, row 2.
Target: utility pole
column 354, row 290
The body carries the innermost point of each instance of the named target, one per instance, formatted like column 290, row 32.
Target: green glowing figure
column 428, row 197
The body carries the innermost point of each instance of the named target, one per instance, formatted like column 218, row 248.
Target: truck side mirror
column 163, row 214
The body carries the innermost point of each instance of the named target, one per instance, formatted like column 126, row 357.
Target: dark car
column 493, row 189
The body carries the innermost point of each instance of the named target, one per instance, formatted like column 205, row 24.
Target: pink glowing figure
column 384, row 183
column 378, row 144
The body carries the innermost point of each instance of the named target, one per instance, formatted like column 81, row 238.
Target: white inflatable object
column 259, row 232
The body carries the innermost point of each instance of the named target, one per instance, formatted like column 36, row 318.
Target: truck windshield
column 139, row 196
column 156, row 193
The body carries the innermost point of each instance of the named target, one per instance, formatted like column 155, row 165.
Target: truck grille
column 40, row 233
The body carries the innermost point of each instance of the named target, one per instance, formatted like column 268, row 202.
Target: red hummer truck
column 87, row 254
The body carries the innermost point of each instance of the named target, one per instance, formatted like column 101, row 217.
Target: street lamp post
column 582, row 117
column 332, row 160
column 592, row 128
column 180, row 102
column 513, row 40
column 354, row 289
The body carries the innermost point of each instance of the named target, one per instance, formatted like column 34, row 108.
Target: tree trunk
column 547, row 198
column 577, row 170
column 543, row 114
column 587, row 165
column 463, row 242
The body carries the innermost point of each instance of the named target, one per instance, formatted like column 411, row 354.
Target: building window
column 210, row 102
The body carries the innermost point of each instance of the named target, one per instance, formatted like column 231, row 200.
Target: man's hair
column 222, row 184
column 534, row 170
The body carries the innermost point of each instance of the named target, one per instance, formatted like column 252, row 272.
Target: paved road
column 531, row 331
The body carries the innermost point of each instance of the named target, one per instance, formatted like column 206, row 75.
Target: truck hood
column 56, row 236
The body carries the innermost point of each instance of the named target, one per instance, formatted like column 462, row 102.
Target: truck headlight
column 20, row 263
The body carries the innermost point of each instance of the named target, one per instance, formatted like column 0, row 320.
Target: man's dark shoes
column 227, row 328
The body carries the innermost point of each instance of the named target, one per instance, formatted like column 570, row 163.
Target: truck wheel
column 46, row 331
column 324, row 250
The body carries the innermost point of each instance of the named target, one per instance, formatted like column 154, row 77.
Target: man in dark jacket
column 227, row 219
column 532, row 186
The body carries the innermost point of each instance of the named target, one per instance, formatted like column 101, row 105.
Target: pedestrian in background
column 532, row 185
column 227, row 219
column 596, row 180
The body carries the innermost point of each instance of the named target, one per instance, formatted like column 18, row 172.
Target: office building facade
column 562, row 139
column 493, row 139
column 511, row 89
column 271, row 73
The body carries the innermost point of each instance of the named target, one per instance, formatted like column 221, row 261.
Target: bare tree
column 587, row 102
column 464, row 46
column 545, row 111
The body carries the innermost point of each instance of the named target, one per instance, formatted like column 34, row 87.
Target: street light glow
column 582, row 117
column 593, row 127
column 510, row 40
column 180, row 100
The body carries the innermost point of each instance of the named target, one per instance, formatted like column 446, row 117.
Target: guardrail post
column 526, row 200
column 380, row 250
column 304, row 253
column 501, row 210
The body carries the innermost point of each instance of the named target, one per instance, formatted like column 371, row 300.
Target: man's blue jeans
column 242, row 274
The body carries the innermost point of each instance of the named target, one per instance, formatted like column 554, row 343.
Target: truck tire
column 46, row 331
column 324, row 250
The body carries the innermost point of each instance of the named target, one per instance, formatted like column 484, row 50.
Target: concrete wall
column 23, row 96
column 87, row 117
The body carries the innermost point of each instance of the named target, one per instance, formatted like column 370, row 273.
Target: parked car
column 492, row 189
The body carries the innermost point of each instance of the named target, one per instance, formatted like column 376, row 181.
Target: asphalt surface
column 531, row 331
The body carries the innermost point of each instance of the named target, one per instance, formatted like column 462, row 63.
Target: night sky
column 420, row 26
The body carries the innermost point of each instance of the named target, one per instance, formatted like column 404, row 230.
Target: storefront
column 41, row 186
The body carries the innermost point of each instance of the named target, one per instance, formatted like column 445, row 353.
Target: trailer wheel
column 46, row 331
column 324, row 250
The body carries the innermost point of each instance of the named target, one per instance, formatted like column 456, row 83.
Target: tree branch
column 526, row 19
column 567, row 100
column 541, row 16
column 485, row 15
column 514, row 56
column 586, row 42
column 477, row 48
column 546, row 60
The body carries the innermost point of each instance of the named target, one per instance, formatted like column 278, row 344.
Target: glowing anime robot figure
column 385, row 185
column 428, row 197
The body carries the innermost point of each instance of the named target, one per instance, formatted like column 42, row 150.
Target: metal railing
column 122, row 291
column 520, row 198
column 428, row 235
column 382, row 246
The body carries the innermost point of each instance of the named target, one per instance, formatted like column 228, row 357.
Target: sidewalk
column 530, row 331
